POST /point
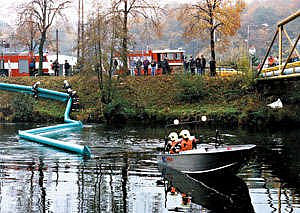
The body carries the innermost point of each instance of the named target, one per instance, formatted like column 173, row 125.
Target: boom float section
column 39, row 134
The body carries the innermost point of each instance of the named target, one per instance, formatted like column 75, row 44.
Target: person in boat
column 187, row 142
column 186, row 199
column 173, row 145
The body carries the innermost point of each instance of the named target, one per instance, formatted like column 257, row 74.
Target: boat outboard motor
column 35, row 89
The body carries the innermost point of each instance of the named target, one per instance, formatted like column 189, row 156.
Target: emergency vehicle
column 175, row 58
column 18, row 64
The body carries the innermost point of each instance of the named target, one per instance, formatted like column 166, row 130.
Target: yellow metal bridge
column 285, row 68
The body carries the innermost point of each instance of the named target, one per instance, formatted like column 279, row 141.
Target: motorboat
column 230, row 194
column 208, row 158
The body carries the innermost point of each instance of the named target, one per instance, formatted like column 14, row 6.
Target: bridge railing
column 291, row 69
column 280, row 70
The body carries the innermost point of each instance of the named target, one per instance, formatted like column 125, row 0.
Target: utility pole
column 57, row 45
column 82, row 28
column 78, row 30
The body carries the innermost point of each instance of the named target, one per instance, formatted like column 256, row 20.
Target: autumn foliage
column 207, row 17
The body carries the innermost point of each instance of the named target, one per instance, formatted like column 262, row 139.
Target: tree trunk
column 212, row 44
column 41, row 47
column 125, row 39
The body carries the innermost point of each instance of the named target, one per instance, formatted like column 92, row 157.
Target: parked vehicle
column 18, row 64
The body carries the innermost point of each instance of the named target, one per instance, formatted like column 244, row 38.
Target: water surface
column 122, row 175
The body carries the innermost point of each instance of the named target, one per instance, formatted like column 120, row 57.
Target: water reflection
column 225, row 193
column 122, row 175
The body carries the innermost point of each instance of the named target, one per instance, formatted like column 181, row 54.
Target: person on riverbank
column 192, row 64
column 132, row 67
column 146, row 64
column 32, row 67
column 198, row 65
column 67, row 67
column 203, row 65
column 55, row 67
column 35, row 89
column 153, row 67
column 67, row 85
column 165, row 66
column 138, row 66
column 186, row 65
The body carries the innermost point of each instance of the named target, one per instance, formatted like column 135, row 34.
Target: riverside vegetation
column 233, row 101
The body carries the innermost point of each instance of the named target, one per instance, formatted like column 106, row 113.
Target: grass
column 161, row 99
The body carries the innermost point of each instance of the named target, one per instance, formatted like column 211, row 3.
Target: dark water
column 122, row 175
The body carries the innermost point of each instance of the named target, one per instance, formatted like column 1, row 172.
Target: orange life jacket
column 187, row 144
column 173, row 190
column 185, row 199
column 173, row 144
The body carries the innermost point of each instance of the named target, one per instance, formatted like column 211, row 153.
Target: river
column 122, row 175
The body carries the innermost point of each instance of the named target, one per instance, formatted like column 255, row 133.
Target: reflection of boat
column 230, row 194
column 208, row 158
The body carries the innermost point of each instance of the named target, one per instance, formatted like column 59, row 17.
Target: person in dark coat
column 192, row 63
column 203, row 65
column 67, row 67
column 138, row 66
column 32, row 67
column 165, row 66
column 198, row 65
column 146, row 64
column 55, row 67
column 186, row 65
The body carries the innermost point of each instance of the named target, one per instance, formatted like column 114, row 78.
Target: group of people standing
column 145, row 64
column 194, row 66
column 191, row 65
column 56, row 66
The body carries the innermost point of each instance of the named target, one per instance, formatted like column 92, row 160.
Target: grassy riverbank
column 159, row 99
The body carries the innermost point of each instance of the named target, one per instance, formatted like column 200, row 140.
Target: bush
column 191, row 88
column 23, row 106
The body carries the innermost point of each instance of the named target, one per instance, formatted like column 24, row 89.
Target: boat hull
column 208, row 159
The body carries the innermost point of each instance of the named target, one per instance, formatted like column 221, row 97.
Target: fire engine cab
column 16, row 64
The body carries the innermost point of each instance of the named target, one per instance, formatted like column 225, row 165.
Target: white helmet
column 185, row 134
column 173, row 136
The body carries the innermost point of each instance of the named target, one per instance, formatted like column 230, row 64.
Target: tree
column 102, row 41
column 42, row 14
column 27, row 33
column 131, row 10
column 206, row 17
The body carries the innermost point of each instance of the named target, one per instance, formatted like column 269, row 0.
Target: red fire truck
column 18, row 64
column 175, row 58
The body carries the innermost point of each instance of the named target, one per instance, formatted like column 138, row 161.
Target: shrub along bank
column 233, row 101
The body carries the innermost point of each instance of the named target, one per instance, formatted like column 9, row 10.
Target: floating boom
column 38, row 134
